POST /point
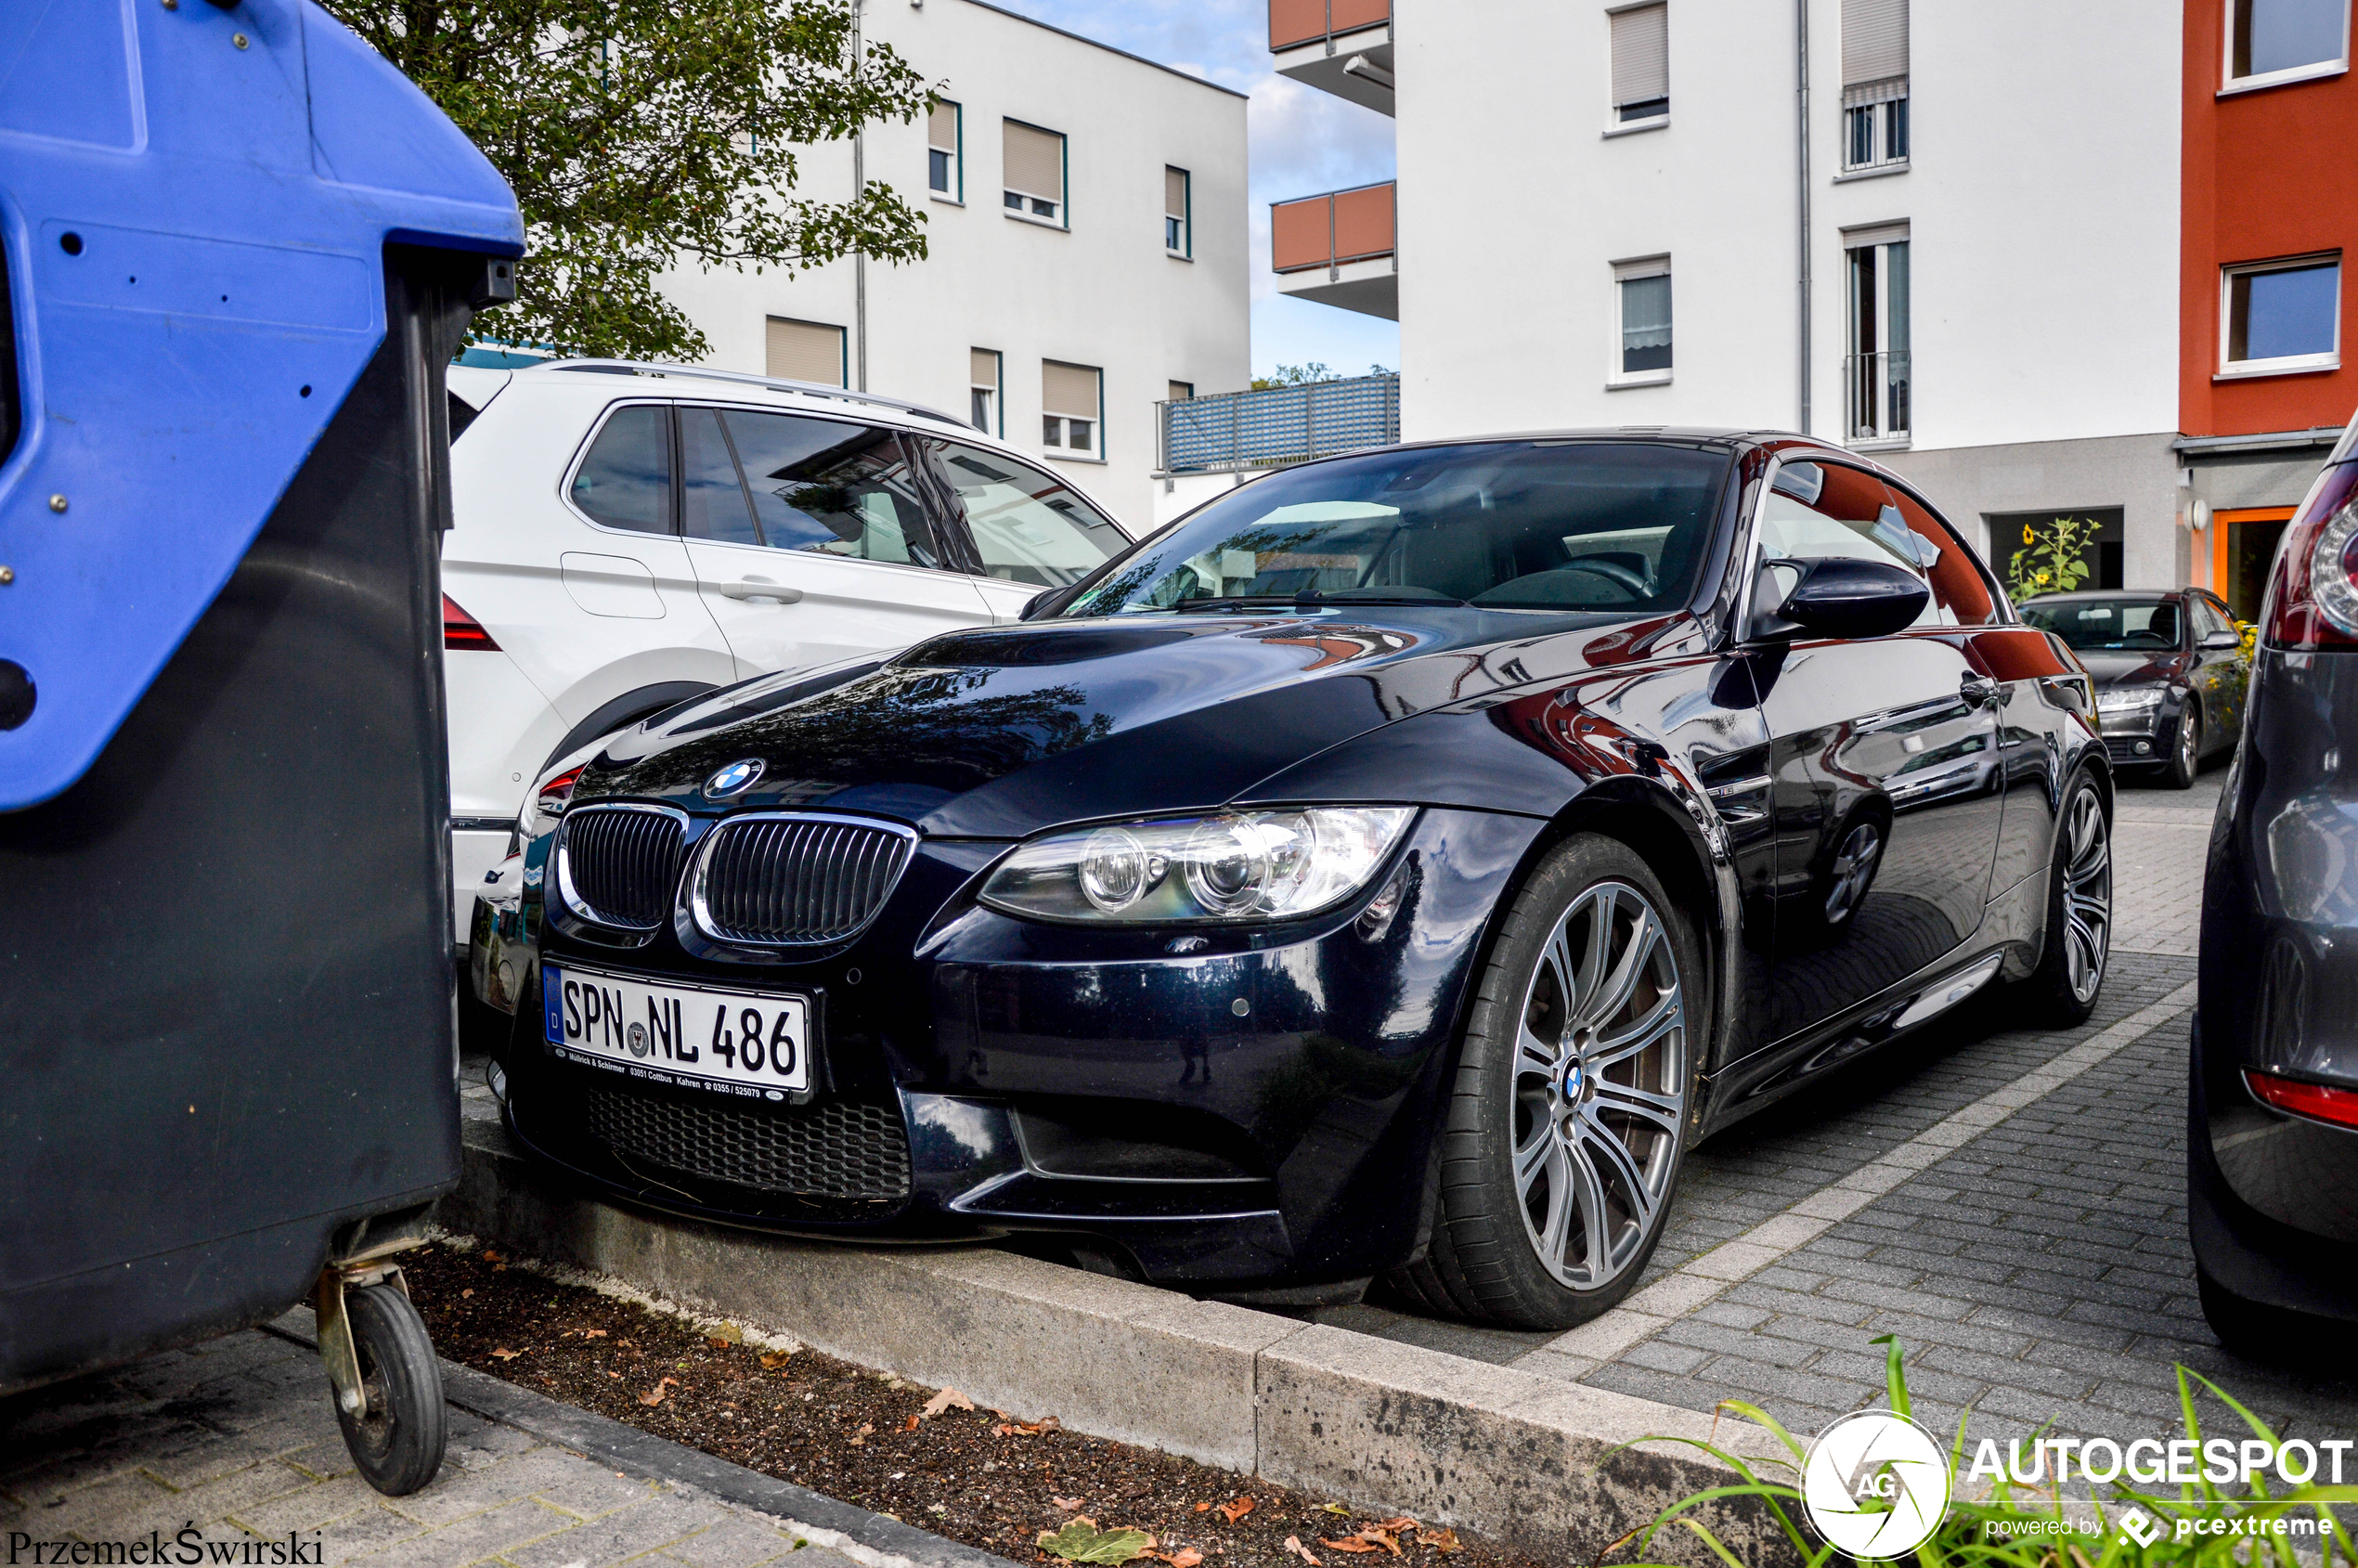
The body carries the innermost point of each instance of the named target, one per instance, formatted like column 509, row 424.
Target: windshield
column 2108, row 626
column 1511, row 525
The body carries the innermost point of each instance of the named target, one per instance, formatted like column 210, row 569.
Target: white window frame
column 1615, row 124
column 1063, row 218
column 956, row 195
column 1185, row 249
column 1057, row 452
column 2230, row 83
column 998, row 392
column 1879, row 160
column 1626, row 272
column 1883, row 437
column 2284, row 364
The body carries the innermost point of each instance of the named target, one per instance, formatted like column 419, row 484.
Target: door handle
column 761, row 590
column 1977, row 690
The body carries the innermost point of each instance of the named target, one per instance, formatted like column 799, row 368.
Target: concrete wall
column 2042, row 199
column 1102, row 294
column 2137, row 473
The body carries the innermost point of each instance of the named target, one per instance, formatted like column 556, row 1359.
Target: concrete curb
column 1526, row 1459
column 873, row 1538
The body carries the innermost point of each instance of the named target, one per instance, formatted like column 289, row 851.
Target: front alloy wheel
column 1574, row 1093
column 2063, row 989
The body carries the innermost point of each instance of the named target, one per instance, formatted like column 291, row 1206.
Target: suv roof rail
column 777, row 383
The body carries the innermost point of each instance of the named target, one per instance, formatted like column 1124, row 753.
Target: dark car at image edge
column 2272, row 1097
column 1390, row 870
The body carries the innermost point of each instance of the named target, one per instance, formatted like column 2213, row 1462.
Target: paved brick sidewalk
column 235, row 1440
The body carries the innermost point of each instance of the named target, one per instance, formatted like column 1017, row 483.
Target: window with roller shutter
column 805, row 351
column 1072, row 402
column 1874, row 83
column 1032, row 173
column 1640, row 63
column 1178, row 231
column 945, row 143
column 988, row 411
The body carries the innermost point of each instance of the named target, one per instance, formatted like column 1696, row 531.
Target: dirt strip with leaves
column 1030, row 1491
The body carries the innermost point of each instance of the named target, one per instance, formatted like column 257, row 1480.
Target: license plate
column 755, row 1043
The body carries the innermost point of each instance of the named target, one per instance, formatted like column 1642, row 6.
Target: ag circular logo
column 736, row 778
column 1875, row 1485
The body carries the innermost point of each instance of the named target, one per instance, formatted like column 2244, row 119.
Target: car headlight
column 1233, row 867
column 2113, row 699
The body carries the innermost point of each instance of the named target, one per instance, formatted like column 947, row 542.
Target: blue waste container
column 237, row 251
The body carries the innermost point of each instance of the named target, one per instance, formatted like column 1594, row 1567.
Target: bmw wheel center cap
column 736, row 778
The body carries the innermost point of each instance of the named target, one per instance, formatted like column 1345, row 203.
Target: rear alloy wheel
column 2185, row 758
column 2071, row 975
column 1572, row 1100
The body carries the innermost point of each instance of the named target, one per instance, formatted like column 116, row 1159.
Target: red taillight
column 2312, row 592
column 2313, row 1100
column 460, row 630
column 557, row 793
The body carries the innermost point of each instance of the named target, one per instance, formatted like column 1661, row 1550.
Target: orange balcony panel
column 1364, row 223
column 1299, row 234
column 1299, row 21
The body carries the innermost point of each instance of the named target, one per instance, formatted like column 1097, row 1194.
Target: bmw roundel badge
column 736, row 778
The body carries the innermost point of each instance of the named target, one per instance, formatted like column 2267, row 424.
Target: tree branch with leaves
column 640, row 135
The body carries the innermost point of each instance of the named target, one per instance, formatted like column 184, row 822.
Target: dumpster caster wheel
column 397, row 1438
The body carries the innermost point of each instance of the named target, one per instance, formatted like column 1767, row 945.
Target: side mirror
column 1047, row 602
column 1837, row 596
column 2220, row 641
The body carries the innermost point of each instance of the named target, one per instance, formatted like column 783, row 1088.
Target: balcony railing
column 1342, row 225
column 1278, row 426
column 1293, row 22
column 1878, row 393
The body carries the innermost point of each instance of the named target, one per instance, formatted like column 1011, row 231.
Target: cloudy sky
column 1303, row 142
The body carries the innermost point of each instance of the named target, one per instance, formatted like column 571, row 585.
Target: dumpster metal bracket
column 336, row 1349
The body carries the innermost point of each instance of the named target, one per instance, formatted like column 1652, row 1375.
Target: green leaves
column 640, row 136
column 1081, row 1541
column 2052, row 560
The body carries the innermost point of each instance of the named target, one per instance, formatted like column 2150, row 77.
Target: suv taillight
column 2312, row 593
column 460, row 630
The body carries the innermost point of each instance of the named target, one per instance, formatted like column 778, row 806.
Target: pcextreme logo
column 1875, row 1485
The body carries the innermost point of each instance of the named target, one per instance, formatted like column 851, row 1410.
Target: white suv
column 629, row 537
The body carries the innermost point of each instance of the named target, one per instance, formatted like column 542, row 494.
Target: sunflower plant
column 2052, row 559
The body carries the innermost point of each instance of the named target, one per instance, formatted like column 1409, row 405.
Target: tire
column 2062, row 991
column 2185, row 758
column 1600, row 1138
column 2273, row 1335
column 397, row 1441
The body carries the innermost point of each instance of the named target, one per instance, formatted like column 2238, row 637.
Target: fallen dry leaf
column 490, row 1256
column 1377, row 1535
column 1232, row 1511
column 593, row 1333
column 656, row 1397
column 1186, row 1557
column 1440, row 1540
column 616, row 1376
column 770, row 1362
column 1402, row 1523
column 1201, row 1507
column 1333, row 1507
column 1349, row 1543
column 1068, row 1504
column 719, row 1344
column 1293, row 1545
column 506, row 1354
column 464, row 1294
column 948, row 1399
column 867, row 1429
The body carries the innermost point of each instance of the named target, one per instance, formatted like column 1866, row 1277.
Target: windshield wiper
column 1234, row 602
column 1311, row 599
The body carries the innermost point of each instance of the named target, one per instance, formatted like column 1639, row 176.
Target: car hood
column 997, row 732
column 2131, row 669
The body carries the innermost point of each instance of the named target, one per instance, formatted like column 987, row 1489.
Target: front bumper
column 1244, row 1107
column 2137, row 737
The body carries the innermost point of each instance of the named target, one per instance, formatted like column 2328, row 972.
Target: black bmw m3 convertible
column 1392, row 869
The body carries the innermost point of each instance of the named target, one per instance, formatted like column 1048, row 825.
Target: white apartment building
column 1947, row 234
column 1087, row 234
